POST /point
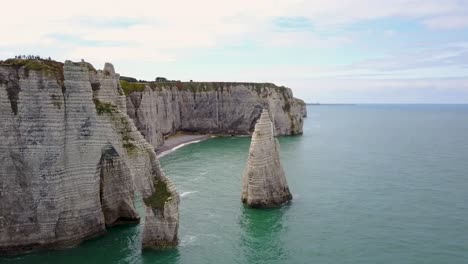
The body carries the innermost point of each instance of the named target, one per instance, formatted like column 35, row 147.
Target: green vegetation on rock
column 159, row 197
column 125, row 133
column 128, row 79
column 130, row 87
column 158, row 85
column 126, row 140
column 90, row 67
column 129, row 146
column 104, row 107
column 48, row 67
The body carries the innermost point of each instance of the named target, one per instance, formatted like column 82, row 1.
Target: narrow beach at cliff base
column 179, row 140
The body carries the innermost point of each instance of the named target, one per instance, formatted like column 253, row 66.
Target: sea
column 370, row 184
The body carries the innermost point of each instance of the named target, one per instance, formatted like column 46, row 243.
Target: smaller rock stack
column 264, row 183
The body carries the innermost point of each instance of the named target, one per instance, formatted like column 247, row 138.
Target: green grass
column 104, row 107
column 196, row 87
column 90, row 67
column 126, row 141
column 47, row 67
column 36, row 65
column 159, row 197
column 125, row 133
column 130, row 87
column 156, row 85
column 129, row 146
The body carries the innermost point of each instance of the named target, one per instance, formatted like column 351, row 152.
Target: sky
column 326, row 51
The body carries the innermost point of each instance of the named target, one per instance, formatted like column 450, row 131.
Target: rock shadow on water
column 120, row 244
column 170, row 256
column 262, row 235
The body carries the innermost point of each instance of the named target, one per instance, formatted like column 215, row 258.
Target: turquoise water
column 371, row 184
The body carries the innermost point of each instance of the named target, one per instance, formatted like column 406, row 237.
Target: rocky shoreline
column 72, row 160
column 76, row 147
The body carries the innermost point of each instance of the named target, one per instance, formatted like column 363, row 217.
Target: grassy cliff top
column 47, row 66
column 34, row 64
column 139, row 86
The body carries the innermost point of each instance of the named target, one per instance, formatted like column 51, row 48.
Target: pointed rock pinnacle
column 264, row 182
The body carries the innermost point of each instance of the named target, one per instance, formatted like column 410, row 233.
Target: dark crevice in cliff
column 13, row 89
column 95, row 86
column 257, row 113
column 104, row 156
column 125, row 221
column 136, row 99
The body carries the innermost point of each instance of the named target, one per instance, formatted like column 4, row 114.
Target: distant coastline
column 326, row 104
column 409, row 104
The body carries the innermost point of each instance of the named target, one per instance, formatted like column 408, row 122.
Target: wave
column 187, row 193
column 185, row 144
column 188, row 240
column 164, row 153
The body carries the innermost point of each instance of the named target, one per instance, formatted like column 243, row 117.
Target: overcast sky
column 328, row 51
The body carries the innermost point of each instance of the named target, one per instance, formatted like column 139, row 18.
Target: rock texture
column 161, row 109
column 72, row 160
column 264, row 183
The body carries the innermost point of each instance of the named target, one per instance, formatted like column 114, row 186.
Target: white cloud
column 430, row 90
column 166, row 26
column 326, row 12
column 170, row 26
column 389, row 33
column 448, row 61
column 156, row 32
column 447, row 22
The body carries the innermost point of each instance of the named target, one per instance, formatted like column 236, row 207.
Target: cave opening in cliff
column 116, row 191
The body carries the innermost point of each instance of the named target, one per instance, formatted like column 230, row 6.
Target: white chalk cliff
column 76, row 146
column 161, row 109
column 264, row 183
column 72, row 160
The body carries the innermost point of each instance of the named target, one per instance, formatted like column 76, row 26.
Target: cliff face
column 264, row 183
column 160, row 109
column 72, row 160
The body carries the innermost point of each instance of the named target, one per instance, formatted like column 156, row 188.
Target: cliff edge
column 72, row 160
column 160, row 109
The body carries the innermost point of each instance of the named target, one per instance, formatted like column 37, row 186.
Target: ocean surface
column 371, row 184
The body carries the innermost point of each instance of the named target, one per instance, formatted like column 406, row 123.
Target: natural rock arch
column 63, row 134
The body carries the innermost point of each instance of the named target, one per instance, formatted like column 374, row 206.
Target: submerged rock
column 264, row 183
column 72, row 160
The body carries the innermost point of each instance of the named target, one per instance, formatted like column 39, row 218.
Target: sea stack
column 264, row 184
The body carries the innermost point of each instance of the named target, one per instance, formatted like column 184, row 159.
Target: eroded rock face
column 264, row 183
column 72, row 160
column 219, row 108
column 117, row 199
